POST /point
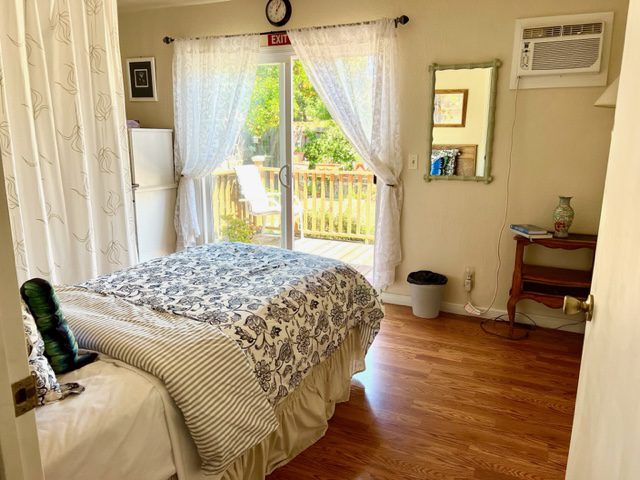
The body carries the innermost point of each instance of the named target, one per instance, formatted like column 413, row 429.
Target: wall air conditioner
column 562, row 51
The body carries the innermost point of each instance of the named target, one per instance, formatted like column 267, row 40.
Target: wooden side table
column 548, row 285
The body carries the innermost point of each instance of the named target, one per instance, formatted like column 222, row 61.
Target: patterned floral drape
column 63, row 139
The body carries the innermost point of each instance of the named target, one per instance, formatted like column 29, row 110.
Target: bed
column 115, row 429
column 248, row 349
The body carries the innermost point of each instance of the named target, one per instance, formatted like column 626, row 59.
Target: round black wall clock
column 278, row 12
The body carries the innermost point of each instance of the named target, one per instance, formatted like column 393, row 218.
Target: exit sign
column 277, row 39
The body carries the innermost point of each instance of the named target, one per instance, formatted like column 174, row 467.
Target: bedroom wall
column 560, row 143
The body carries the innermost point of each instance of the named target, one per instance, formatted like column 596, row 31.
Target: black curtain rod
column 401, row 20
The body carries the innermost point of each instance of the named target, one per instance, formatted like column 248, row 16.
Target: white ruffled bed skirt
column 303, row 416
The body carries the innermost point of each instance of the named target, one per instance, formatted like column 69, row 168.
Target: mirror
column 462, row 111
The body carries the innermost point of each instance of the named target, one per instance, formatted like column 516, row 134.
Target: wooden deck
column 356, row 254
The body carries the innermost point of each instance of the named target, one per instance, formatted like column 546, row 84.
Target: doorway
column 294, row 180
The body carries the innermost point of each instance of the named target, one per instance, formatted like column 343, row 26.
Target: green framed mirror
column 463, row 106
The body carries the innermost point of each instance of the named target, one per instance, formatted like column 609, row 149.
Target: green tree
column 264, row 112
column 307, row 105
column 324, row 139
column 331, row 145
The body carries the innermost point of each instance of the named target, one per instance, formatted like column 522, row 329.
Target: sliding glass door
column 294, row 179
column 251, row 198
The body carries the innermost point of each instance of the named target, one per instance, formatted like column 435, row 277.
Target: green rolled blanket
column 60, row 345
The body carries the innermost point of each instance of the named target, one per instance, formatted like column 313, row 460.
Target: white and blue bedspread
column 286, row 311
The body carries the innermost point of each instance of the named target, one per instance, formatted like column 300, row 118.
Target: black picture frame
column 141, row 73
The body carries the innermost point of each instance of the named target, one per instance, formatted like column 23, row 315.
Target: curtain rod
column 401, row 20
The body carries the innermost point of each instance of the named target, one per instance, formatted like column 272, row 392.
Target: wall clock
column 278, row 12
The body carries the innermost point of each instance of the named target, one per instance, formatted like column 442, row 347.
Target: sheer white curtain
column 353, row 69
column 213, row 79
column 63, row 139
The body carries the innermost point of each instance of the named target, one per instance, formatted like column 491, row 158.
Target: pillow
column 443, row 161
column 60, row 345
column 436, row 165
column 47, row 387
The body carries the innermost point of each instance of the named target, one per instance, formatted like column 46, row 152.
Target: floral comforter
column 288, row 311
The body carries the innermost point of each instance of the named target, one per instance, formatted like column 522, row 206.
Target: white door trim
column 19, row 449
column 283, row 57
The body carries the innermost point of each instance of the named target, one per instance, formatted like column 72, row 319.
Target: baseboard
column 544, row 321
column 396, row 299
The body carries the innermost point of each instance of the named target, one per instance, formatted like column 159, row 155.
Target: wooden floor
column 442, row 400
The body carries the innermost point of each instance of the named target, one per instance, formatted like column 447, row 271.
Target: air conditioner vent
column 562, row 51
column 542, row 32
column 555, row 55
column 582, row 29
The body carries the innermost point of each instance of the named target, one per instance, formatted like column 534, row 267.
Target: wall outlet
column 413, row 161
column 468, row 279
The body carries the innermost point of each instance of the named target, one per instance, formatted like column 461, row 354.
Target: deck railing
column 335, row 204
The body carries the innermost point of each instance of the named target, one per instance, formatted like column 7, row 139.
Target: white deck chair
column 258, row 200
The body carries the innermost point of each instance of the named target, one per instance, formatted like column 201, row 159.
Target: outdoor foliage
column 329, row 145
column 237, row 229
column 318, row 136
column 264, row 112
column 307, row 105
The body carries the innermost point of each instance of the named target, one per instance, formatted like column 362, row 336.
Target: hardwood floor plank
column 442, row 400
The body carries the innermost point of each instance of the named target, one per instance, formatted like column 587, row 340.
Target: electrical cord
column 530, row 327
column 507, row 194
column 506, row 207
column 567, row 325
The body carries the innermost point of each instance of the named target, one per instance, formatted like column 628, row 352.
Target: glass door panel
column 334, row 195
column 247, row 196
column 294, row 180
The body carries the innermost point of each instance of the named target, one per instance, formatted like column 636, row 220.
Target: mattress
column 115, row 429
column 126, row 426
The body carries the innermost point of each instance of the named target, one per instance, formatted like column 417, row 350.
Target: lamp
column 608, row 97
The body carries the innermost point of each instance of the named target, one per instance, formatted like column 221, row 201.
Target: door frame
column 284, row 57
column 19, row 448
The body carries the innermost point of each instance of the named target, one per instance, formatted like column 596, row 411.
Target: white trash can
column 427, row 289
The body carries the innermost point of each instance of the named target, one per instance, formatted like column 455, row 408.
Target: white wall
column 560, row 145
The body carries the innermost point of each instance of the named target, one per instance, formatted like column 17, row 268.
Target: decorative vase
column 563, row 218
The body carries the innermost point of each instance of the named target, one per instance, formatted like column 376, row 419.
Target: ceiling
column 146, row 4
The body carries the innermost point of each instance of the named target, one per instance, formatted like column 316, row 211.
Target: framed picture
column 450, row 108
column 142, row 79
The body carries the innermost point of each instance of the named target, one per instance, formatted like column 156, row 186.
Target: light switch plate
column 413, row 161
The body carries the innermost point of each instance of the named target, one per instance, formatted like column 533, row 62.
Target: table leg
column 516, row 285
column 511, row 311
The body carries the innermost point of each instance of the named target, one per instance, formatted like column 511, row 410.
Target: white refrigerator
column 154, row 190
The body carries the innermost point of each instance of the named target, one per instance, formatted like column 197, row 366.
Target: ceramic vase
column 563, row 217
